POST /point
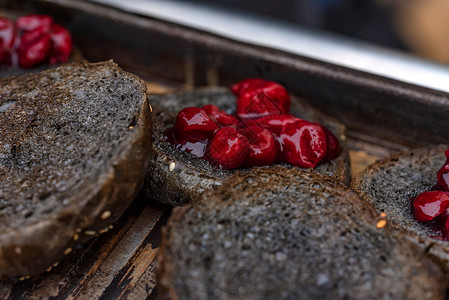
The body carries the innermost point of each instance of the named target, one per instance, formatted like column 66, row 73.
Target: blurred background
column 415, row 26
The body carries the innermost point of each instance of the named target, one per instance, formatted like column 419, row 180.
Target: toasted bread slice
column 74, row 147
column 271, row 233
column 175, row 177
column 390, row 183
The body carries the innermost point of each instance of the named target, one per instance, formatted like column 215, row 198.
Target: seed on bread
column 104, row 230
column 106, row 214
column 381, row 224
column 90, row 232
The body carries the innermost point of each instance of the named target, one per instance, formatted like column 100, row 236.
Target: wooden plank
column 111, row 270
column 145, row 287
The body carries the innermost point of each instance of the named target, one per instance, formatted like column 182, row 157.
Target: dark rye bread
column 284, row 234
column 74, row 147
column 389, row 184
column 175, row 177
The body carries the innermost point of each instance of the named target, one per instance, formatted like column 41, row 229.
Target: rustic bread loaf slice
column 175, row 177
column 271, row 233
column 74, row 147
column 390, row 183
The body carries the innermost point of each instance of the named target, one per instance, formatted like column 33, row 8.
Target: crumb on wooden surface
column 360, row 160
column 157, row 88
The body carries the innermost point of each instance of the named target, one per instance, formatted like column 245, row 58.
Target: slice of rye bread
column 390, row 183
column 74, row 147
column 175, row 177
column 272, row 233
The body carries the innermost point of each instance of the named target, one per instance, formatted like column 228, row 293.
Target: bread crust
column 222, row 223
column 388, row 184
column 33, row 247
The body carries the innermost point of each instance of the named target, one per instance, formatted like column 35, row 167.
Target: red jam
column 258, row 98
column 303, row 144
column 432, row 207
column 261, row 133
column 32, row 40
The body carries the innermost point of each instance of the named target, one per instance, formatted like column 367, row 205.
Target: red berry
column 429, row 205
column 242, row 86
column 7, row 34
column 222, row 118
column 35, row 52
column 333, row 145
column 276, row 123
column 262, row 146
column 228, row 148
column 31, row 36
column 265, row 99
column 443, row 173
column 194, row 119
column 303, row 144
column 62, row 44
column 33, row 22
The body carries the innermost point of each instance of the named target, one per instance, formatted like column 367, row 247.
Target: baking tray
column 382, row 116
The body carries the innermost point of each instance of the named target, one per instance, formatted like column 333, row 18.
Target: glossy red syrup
column 261, row 133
